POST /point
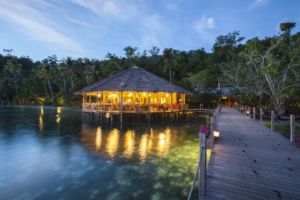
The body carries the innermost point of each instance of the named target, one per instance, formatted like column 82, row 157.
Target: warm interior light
column 167, row 95
column 144, row 94
column 216, row 134
column 107, row 115
column 58, row 110
column 98, row 95
column 130, row 94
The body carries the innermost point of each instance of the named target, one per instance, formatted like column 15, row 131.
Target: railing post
column 254, row 112
column 272, row 119
column 261, row 115
column 292, row 128
column 202, row 168
column 212, row 128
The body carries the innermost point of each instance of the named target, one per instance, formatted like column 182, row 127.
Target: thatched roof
column 133, row 79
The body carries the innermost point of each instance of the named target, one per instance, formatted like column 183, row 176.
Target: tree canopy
column 266, row 71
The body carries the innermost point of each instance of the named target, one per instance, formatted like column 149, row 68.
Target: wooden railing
column 204, row 144
column 292, row 123
column 134, row 108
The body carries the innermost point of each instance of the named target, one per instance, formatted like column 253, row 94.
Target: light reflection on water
column 76, row 160
column 128, row 144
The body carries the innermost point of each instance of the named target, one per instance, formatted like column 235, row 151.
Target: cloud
column 149, row 25
column 153, row 28
column 204, row 23
column 119, row 9
column 149, row 40
column 204, row 26
column 257, row 3
column 36, row 26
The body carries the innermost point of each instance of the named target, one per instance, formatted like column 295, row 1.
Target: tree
column 226, row 56
column 286, row 27
column 46, row 69
column 130, row 53
column 169, row 61
column 14, row 68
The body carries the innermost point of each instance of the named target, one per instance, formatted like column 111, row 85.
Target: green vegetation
column 266, row 71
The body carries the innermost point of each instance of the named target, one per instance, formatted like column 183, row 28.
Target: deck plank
column 251, row 161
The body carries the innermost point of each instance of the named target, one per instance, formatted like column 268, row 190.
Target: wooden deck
column 252, row 162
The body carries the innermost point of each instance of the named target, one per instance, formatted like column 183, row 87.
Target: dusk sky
column 92, row 28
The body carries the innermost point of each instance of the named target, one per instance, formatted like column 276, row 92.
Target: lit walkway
column 252, row 162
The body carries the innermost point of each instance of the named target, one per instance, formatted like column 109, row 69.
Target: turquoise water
column 51, row 153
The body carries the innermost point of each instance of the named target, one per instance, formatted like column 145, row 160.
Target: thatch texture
column 134, row 79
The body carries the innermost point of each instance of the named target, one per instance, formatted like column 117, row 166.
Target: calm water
column 50, row 153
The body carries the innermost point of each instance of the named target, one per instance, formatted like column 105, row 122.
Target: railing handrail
column 291, row 121
column 209, row 144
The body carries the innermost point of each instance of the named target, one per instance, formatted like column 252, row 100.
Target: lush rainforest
column 264, row 71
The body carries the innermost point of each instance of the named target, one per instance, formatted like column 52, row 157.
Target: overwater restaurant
column 133, row 90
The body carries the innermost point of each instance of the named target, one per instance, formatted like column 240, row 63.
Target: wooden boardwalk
column 252, row 162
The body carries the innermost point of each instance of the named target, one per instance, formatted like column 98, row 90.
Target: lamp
column 216, row 134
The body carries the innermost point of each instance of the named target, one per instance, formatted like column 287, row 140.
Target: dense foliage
column 265, row 71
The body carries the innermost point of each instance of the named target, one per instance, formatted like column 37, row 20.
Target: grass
column 283, row 128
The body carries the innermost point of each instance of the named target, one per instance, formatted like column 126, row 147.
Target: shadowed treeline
column 265, row 72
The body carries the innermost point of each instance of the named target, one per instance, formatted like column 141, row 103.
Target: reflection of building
column 41, row 119
column 134, row 90
column 128, row 144
column 112, row 143
column 58, row 115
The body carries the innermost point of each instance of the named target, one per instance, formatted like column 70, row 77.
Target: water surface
column 51, row 153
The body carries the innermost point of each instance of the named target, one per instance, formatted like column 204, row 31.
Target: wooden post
column 100, row 101
column 254, row 113
column 272, row 119
column 83, row 101
column 212, row 129
column 261, row 115
column 202, row 168
column 121, row 107
column 149, row 114
column 171, row 102
column 292, row 128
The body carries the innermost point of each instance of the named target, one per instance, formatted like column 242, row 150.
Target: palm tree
column 14, row 68
column 169, row 61
column 63, row 71
column 90, row 73
column 45, row 74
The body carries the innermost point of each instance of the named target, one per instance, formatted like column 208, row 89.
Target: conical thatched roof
column 133, row 79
